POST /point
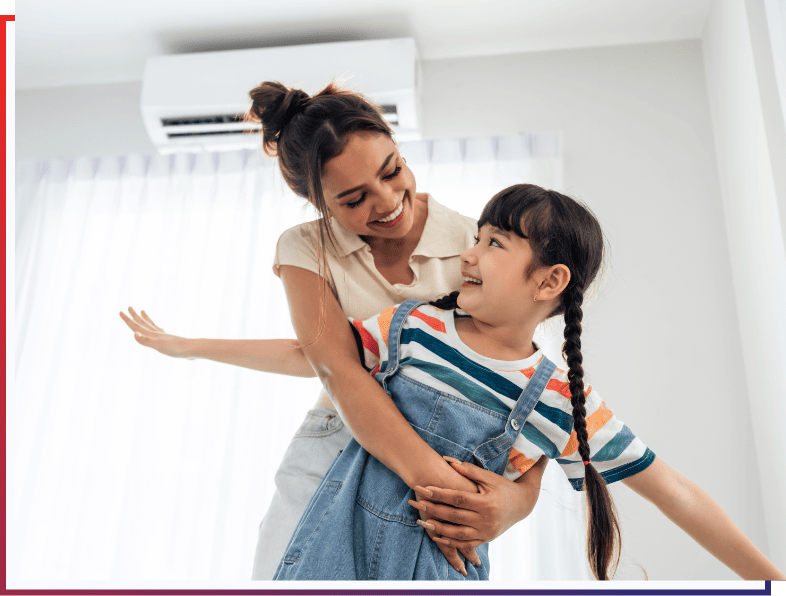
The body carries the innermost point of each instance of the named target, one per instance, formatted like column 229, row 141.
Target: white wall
column 85, row 121
column 753, row 222
column 662, row 343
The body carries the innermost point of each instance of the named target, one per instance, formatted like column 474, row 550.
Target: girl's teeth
column 472, row 280
column 393, row 215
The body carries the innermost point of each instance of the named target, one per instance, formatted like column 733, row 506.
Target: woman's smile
column 392, row 220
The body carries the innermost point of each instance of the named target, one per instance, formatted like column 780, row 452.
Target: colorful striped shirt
column 433, row 354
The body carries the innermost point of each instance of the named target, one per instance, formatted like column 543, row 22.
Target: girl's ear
column 554, row 280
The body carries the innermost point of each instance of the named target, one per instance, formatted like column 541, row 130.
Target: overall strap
column 524, row 405
column 394, row 334
column 529, row 397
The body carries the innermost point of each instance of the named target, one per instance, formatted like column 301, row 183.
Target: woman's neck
column 501, row 342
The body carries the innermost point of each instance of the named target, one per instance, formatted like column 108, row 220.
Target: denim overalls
column 359, row 525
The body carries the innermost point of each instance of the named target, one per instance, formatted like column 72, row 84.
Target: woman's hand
column 147, row 333
column 465, row 520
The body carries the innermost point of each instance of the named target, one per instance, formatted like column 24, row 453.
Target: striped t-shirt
column 433, row 354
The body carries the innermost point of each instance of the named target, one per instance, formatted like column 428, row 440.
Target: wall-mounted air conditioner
column 195, row 102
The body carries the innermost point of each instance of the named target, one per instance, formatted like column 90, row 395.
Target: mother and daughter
column 460, row 399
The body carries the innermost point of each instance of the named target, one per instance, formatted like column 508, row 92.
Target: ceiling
column 82, row 42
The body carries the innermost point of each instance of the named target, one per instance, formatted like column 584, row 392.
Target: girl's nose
column 468, row 256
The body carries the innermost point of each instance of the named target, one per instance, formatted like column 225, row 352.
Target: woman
column 377, row 243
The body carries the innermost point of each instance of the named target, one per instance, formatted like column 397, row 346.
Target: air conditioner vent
column 188, row 120
column 177, row 135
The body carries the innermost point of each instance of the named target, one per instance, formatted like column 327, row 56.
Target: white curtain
column 127, row 465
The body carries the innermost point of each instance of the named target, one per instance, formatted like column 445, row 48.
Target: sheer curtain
column 128, row 465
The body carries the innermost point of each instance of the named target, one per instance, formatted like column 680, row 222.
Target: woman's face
column 369, row 189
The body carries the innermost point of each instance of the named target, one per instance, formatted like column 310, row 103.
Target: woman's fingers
column 450, row 531
column 446, row 513
column 475, row 473
column 467, row 549
column 470, row 554
column 452, row 555
column 455, row 498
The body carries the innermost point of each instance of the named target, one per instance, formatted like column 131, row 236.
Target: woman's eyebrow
column 381, row 169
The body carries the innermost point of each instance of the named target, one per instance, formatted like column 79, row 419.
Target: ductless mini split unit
column 196, row 102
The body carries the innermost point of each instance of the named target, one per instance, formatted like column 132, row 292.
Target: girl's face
column 497, row 286
column 369, row 189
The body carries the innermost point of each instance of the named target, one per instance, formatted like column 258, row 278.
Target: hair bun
column 295, row 101
column 274, row 105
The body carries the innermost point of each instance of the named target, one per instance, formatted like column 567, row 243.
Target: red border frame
column 3, row 238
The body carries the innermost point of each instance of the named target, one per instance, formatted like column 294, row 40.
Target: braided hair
column 562, row 231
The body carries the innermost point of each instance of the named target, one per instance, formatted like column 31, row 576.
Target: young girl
column 476, row 388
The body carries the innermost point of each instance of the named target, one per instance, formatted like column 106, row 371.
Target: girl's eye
column 393, row 174
column 494, row 242
column 356, row 203
column 476, row 239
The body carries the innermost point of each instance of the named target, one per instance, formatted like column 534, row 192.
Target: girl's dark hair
column 560, row 230
column 305, row 132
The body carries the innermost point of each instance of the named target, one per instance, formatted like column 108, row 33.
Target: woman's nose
column 387, row 202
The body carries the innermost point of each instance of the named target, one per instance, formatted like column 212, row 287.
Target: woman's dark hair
column 305, row 132
column 562, row 231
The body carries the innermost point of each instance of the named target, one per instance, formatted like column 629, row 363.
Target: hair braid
column 603, row 534
column 448, row 302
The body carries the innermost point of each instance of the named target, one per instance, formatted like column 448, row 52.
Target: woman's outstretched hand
column 147, row 333
column 464, row 520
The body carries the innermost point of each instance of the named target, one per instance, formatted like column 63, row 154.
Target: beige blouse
column 359, row 288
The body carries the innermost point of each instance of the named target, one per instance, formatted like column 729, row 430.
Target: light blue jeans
column 311, row 452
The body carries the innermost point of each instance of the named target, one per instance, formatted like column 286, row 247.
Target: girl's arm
column 684, row 503
column 281, row 356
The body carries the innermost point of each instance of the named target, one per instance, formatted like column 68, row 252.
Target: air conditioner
column 195, row 102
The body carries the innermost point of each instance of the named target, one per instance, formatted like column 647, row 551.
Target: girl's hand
column 147, row 333
column 475, row 518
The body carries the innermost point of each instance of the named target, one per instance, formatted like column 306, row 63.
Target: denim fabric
column 359, row 525
column 312, row 450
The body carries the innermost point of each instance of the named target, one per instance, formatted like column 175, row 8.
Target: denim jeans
column 312, row 450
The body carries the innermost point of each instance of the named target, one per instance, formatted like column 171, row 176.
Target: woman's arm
column 281, row 356
column 368, row 411
column 371, row 415
column 684, row 503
